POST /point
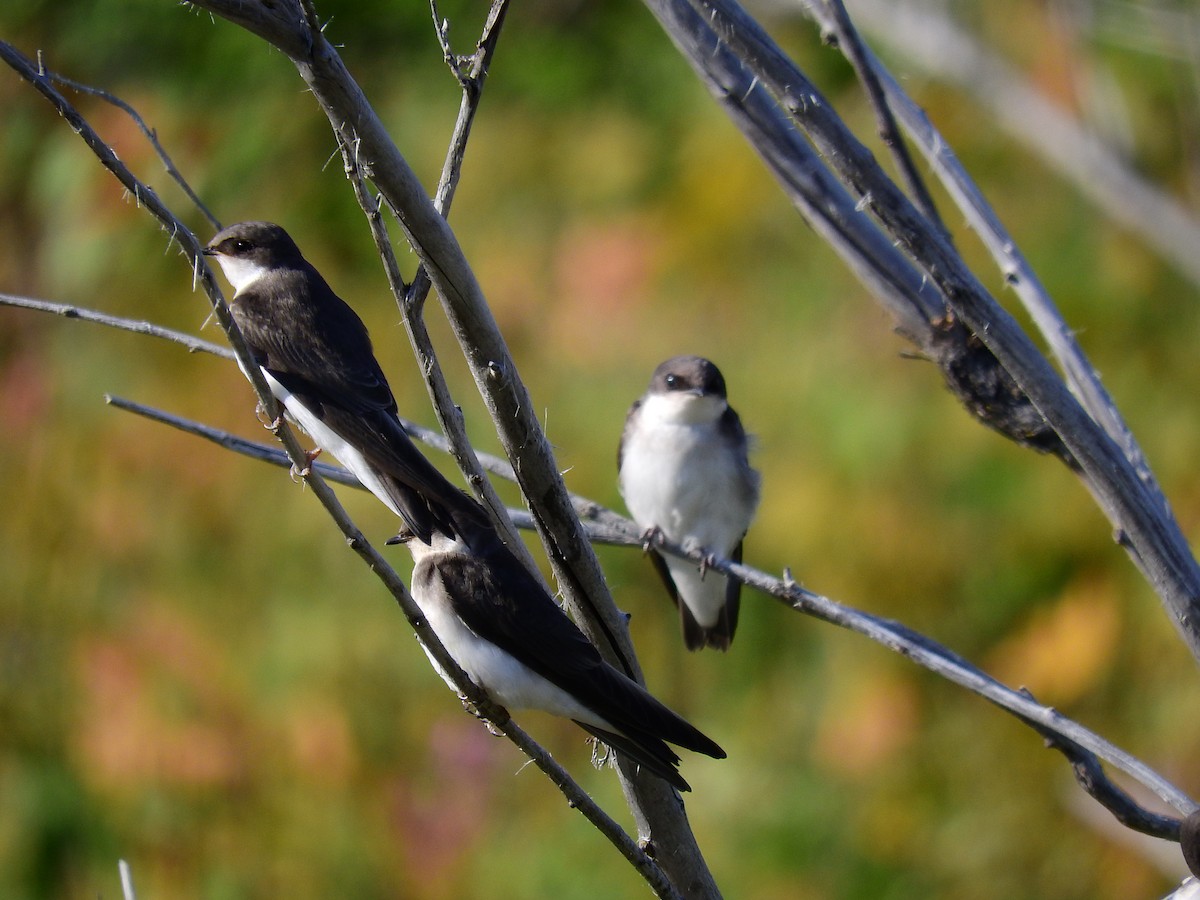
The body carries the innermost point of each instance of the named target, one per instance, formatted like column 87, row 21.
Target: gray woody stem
column 646, row 866
column 657, row 810
column 1082, row 747
column 741, row 64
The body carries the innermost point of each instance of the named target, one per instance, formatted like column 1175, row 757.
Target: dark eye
column 241, row 246
column 673, row 382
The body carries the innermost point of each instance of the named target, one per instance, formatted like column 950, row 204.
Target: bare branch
column 1081, row 377
column 1081, row 746
column 149, row 133
column 496, row 715
column 708, row 32
column 1090, row 776
column 846, row 37
column 83, row 314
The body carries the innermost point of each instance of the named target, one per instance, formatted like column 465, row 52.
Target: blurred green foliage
column 196, row 676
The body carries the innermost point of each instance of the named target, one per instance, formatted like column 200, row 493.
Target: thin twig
column 925, row 36
column 83, row 314
column 1090, row 776
column 149, row 133
column 851, row 45
column 1080, row 745
column 127, row 891
column 576, row 797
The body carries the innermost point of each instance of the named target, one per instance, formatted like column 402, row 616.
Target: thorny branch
column 479, row 700
column 1082, row 747
column 767, row 95
column 960, row 293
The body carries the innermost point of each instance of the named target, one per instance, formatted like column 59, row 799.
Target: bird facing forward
column 683, row 469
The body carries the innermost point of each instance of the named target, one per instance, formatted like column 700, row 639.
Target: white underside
column 677, row 474
column 332, row 442
column 242, row 274
column 510, row 682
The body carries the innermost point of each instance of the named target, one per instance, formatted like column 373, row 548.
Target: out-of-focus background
column 198, row 677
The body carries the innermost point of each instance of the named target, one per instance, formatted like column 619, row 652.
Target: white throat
column 241, row 272
column 679, row 408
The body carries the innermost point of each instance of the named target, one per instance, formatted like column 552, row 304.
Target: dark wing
column 501, row 602
column 729, row 426
column 310, row 340
column 317, row 347
column 637, row 404
column 664, row 572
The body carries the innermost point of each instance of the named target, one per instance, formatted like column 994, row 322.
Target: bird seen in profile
column 316, row 356
column 511, row 638
column 491, row 614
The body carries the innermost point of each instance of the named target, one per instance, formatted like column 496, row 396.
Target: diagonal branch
column 730, row 49
column 293, row 28
column 1083, row 748
column 1081, row 377
column 496, row 715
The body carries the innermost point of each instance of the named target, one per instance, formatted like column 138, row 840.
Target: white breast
column 509, row 681
column 332, row 442
column 678, row 474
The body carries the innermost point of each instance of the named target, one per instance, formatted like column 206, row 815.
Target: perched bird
column 684, row 471
column 316, row 356
column 512, row 639
column 492, row 615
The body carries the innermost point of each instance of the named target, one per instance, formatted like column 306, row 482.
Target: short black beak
column 209, row 251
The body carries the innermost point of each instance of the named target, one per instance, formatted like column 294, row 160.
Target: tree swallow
column 684, row 470
column 316, row 356
column 512, row 639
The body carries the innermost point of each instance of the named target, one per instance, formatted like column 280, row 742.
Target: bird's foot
column 602, row 754
column 305, row 470
column 269, row 422
column 493, row 729
column 707, row 562
column 651, row 536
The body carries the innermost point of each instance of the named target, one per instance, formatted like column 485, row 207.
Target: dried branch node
column 987, row 390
